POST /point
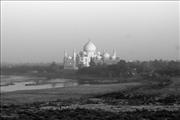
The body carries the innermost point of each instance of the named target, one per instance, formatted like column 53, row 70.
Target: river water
column 16, row 83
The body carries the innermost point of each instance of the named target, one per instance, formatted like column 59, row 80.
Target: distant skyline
column 40, row 31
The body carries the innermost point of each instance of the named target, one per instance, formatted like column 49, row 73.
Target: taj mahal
column 88, row 55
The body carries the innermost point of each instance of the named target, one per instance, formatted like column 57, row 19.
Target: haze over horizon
column 40, row 31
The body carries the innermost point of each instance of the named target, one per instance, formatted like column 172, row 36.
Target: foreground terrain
column 123, row 101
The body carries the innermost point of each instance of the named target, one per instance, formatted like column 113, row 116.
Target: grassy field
column 29, row 96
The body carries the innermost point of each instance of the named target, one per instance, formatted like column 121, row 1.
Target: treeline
column 130, row 69
column 31, row 69
column 123, row 69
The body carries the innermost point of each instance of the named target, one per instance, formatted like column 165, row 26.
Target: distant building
column 87, row 55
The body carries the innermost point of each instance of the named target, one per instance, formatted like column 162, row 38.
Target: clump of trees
column 157, row 70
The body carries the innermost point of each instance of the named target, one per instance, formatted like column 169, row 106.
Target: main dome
column 89, row 47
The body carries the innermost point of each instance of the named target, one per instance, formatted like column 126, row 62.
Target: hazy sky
column 41, row 31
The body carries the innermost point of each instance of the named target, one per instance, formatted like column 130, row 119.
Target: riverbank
column 75, row 92
column 29, row 96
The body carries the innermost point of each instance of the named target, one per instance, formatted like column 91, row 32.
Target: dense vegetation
column 121, row 69
column 129, row 69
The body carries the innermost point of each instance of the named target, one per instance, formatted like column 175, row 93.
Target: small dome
column 69, row 57
column 89, row 47
column 98, row 53
column 106, row 55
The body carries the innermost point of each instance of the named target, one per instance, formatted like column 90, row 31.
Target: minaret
column 74, row 55
column 74, row 58
column 114, row 55
column 65, row 57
